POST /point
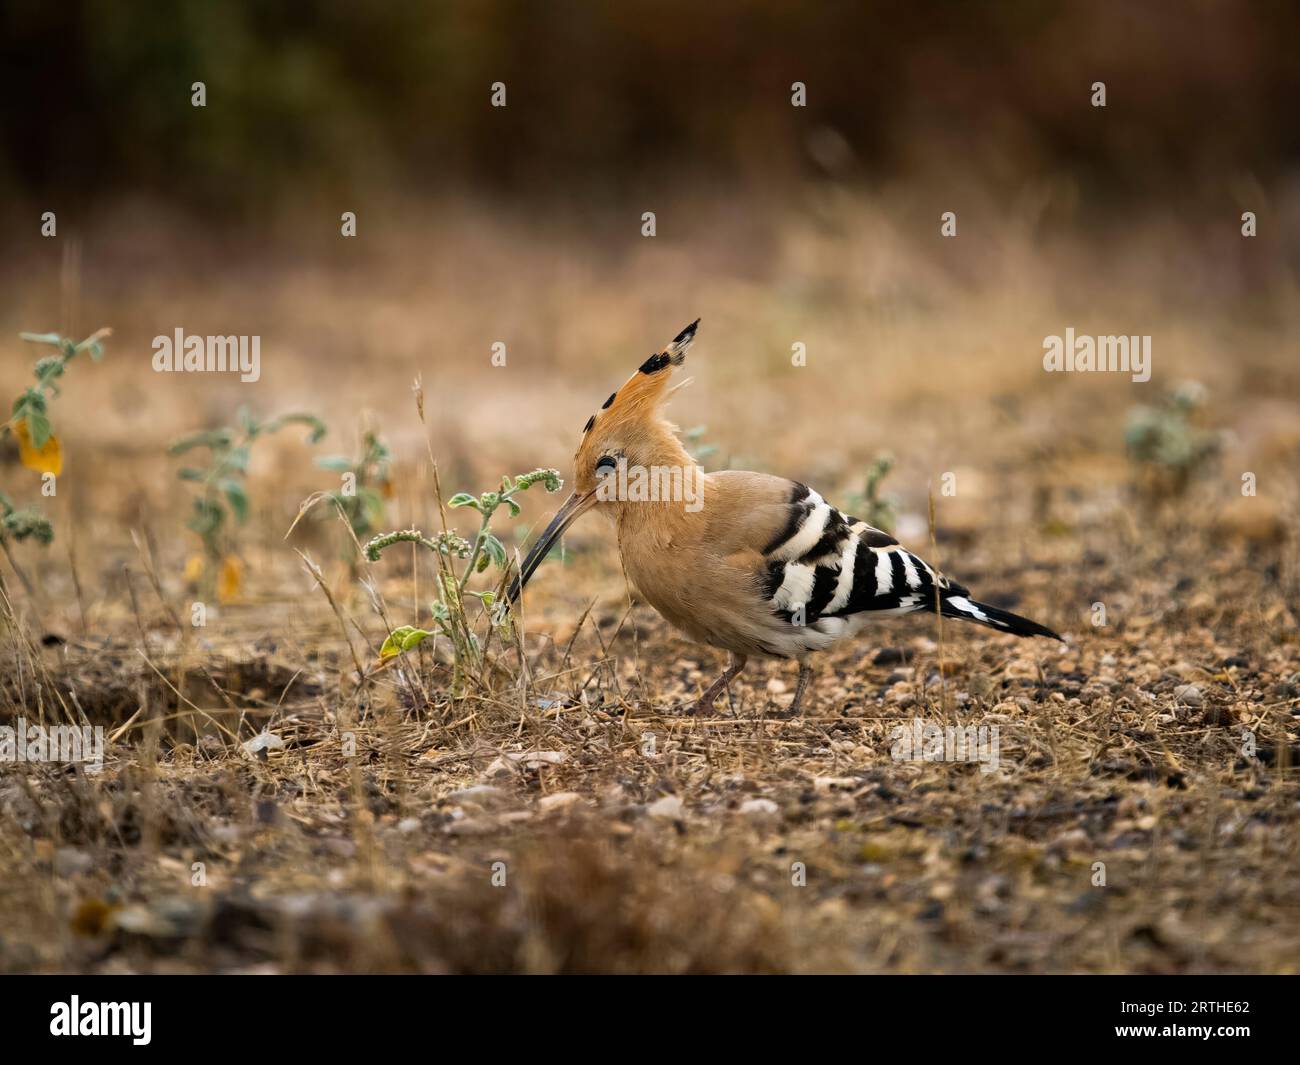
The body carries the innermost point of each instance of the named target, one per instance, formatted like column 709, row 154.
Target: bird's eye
column 606, row 462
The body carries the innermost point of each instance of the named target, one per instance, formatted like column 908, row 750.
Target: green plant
column 365, row 484
column 19, row 525
column 1166, row 446
column 459, row 560
column 221, row 492
column 880, row 512
column 38, row 447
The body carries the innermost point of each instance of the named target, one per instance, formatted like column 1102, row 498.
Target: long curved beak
column 574, row 507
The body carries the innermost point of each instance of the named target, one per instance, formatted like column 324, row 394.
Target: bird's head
column 627, row 430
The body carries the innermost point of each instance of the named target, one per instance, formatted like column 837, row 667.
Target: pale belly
column 727, row 612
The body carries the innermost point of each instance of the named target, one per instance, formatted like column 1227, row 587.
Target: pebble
column 759, row 808
column 69, row 861
column 561, row 800
column 1188, row 695
column 891, row 656
column 484, row 795
column 669, row 808
column 513, row 760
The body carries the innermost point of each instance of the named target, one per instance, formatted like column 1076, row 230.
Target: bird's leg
column 800, row 686
column 715, row 689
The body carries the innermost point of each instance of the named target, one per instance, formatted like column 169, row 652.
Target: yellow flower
column 232, row 576
column 194, row 568
column 48, row 458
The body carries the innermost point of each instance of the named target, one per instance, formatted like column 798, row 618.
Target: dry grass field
column 558, row 812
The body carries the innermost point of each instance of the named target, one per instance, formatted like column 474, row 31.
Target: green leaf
column 372, row 506
column 238, row 459
column 403, row 639
column 189, row 473
column 214, row 439
column 463, row 499
column 338, row 463
column 318, row 427
column 42, row 338
column 48, row 368
column 208, row 517
column 414, row 639
column 22, row 524
column 38, row 425
column 32, row 399
column 93, row 346
column 496, row 550
column 237, row 498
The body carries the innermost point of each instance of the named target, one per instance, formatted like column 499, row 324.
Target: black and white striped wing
column 827, row 564
column 826, row 569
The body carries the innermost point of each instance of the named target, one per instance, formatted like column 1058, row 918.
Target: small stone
column 263, row 741
column 1188, row 695
column 485, row 796
column 891, row 656
column 407, row 825
column 669, row 808
column 515, row 760
column 69, row 861
column 759, row 808
column 561, row 800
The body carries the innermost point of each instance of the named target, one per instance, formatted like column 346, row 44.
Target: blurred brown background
column 818, row 225
column 335, row 99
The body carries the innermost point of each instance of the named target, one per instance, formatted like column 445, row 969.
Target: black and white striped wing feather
column 827, row 573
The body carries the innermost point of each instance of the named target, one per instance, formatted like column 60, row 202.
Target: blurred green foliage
column 1166, row 445
column 335, row 97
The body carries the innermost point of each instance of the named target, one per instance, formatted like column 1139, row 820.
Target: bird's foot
column 796, row 704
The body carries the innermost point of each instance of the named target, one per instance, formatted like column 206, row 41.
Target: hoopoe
column 755, row 564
